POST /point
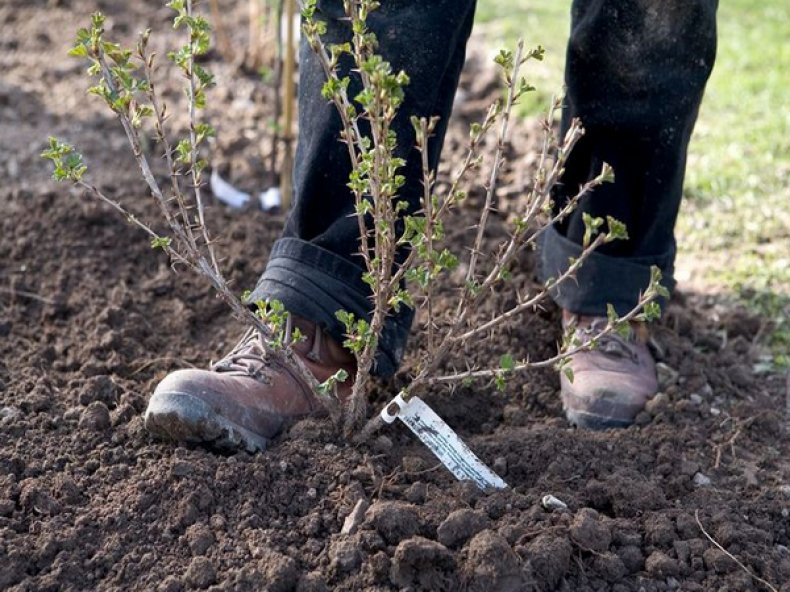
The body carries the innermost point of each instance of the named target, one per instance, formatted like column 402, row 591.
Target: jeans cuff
column 601, row 279
column 314, row 283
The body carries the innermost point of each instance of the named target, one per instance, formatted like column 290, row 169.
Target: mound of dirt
column 91, row 319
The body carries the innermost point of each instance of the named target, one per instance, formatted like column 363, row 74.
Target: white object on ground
column 549, row 502
column 227, row 193
column 355, row 518
column 270, row 199
column 701, row 480
column 442, row 440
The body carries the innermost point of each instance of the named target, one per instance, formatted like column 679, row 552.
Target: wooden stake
column 223, row 40
column 286, row 188
column 253, row 49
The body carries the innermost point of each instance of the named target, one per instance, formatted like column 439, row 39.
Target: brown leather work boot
column 245, row 399
column 612, row 382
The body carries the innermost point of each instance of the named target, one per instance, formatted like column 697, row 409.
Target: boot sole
column 185, row 418
column 590, row 421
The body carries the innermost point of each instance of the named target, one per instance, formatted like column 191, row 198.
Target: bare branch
column 194, row 155
column 610, row 328
column 494, row 175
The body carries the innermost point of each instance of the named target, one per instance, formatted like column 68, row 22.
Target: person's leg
column 314, row 270
column 635, row 75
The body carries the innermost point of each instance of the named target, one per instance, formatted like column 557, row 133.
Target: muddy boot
column 245, row 399
column 612, row 382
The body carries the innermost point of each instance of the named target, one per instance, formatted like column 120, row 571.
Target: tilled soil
column 91, row 319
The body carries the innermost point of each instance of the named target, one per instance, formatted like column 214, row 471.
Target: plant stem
column 548, row 362
column 494, row 174
column 194, row 156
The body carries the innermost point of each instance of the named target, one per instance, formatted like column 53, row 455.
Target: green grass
column 734, row 228
column 540, row 22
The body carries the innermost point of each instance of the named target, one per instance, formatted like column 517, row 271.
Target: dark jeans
column 635, row 74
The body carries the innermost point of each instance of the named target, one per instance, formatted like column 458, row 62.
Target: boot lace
column 613, row 344
column 247, row 358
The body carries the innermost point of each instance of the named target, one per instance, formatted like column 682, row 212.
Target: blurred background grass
column 734, row 227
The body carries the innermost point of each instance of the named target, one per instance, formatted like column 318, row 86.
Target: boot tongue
column 320, row 347
column 314, row 354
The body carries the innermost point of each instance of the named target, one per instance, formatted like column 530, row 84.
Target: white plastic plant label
column 442, row 440
column 270, row 199
column 227, row 193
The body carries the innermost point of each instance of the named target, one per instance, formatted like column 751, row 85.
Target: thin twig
column 194, row 156
column 25, row 294
column 160, row 116
column 548, row 362
column 423, row 471
column 720, row 448
column 142, row 161
column 535, row 300
column 450, row 198
column 505, row 257
column 134, row 220
column 494, row 174
column 731, row 556
column 427, row 199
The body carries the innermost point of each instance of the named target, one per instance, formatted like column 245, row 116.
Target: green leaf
column 655, row 282
column 160, row 242
column 308, row 10
column 141, row 112
column 506, row 362
column 184, row 151
column 97, row 20
column 651, row 311
column 591, row 226
column 328, row 386
column 78, row 51
column 205, row 77
column 607, row 173
column 447, row 260
column 524, row 87
column 200, row 99
column 617, row 229
column 538, row 53
column 504, row 59
column 202, row 131
column 473, row 286
column 346, row 318
column 68, row 164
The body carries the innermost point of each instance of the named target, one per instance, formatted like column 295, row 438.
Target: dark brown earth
column 91, row 319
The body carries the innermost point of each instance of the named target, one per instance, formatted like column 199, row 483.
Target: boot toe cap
column 183, row 409
column 601, row 400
